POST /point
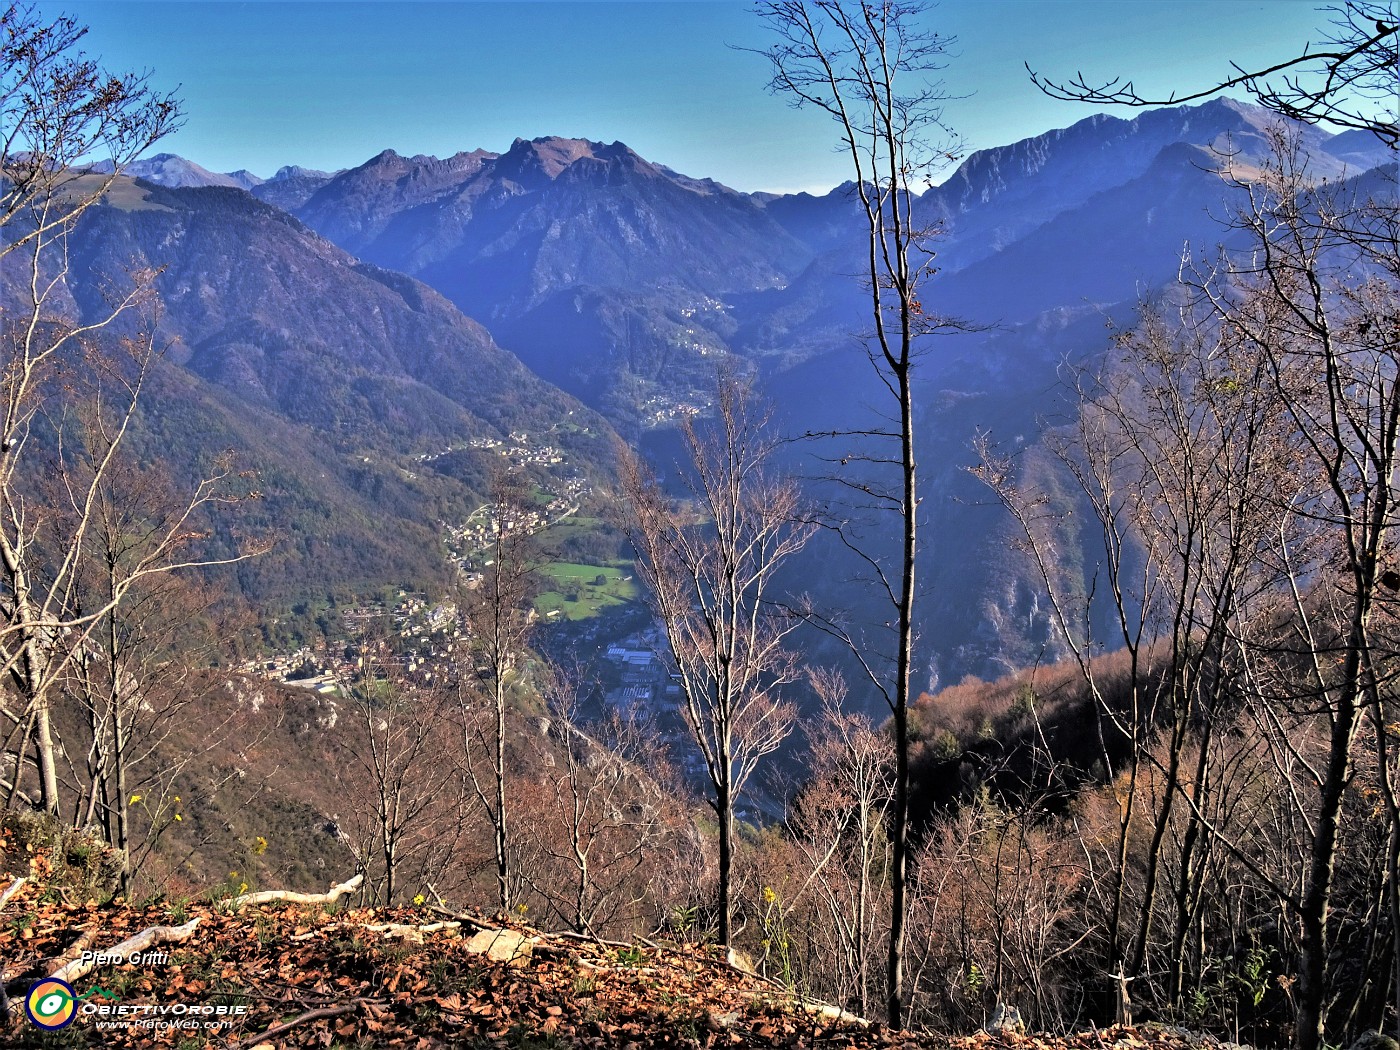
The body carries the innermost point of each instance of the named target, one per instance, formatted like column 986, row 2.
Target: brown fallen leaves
column 407, row 978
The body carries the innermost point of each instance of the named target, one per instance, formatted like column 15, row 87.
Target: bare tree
column 1240, row 464
column 57, row 472
column 603, row 820
column 499, row 613
column 1307, row 302
column 866, row 65
column 1187, row 472
column 402, row 780
column 1316, row 296
column 711, row 567
column 142, row 671
column 838, row 825
column 68, row 391
column 60, row 114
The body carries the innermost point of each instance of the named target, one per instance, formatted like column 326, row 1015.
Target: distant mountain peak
column 471, row 155
column 245, row 178
column 552, row 155
column 1224, row 103
column 173, row 171
column 466, row 162
column 296, row 171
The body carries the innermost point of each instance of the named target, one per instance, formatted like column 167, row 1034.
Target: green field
column 577, row 592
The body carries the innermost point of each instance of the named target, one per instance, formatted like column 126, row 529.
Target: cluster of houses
column 663, row 408
column 519, row 450
column 648, row 684
column 478, row 443
column 517, row 447
column 705, row 304
column 428, row 633
column 479, row 531
column 430, row 636
column 430, row 641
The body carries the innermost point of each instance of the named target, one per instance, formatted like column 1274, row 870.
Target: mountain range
column 369, row 406
column 412, row 304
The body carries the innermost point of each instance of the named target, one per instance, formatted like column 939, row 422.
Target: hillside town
column 424, row 636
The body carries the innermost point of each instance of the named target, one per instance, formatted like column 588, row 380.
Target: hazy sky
column 330, row 84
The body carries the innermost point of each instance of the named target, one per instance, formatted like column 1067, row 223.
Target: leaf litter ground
column 308, row 976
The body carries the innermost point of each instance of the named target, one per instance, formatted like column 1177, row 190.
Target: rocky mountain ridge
column 622, row 280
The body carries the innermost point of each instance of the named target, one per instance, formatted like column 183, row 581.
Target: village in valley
column 593, row 610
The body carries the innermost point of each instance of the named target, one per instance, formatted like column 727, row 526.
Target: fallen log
column 409, row 931
column 289, row 897
column 75, row 950
column 134, row 945
column 827, row 1012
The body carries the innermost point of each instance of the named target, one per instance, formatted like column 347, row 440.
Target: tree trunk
column 391, row 864
column 724, row 809
column 1317, row 893
column 123, row 814
column 119, row 732
column 899, row 859
column 44, row 752
column 15, row 791
column 502, row 862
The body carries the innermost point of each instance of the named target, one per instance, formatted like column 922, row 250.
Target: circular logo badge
column 51, row 1004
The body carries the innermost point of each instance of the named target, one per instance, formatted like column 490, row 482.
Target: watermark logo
column 51, row 1004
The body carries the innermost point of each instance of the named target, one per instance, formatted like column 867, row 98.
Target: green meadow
column 579, row 591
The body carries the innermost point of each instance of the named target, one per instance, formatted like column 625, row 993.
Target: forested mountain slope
column 328, row 376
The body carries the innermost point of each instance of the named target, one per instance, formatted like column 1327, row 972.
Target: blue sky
column 330, row 84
